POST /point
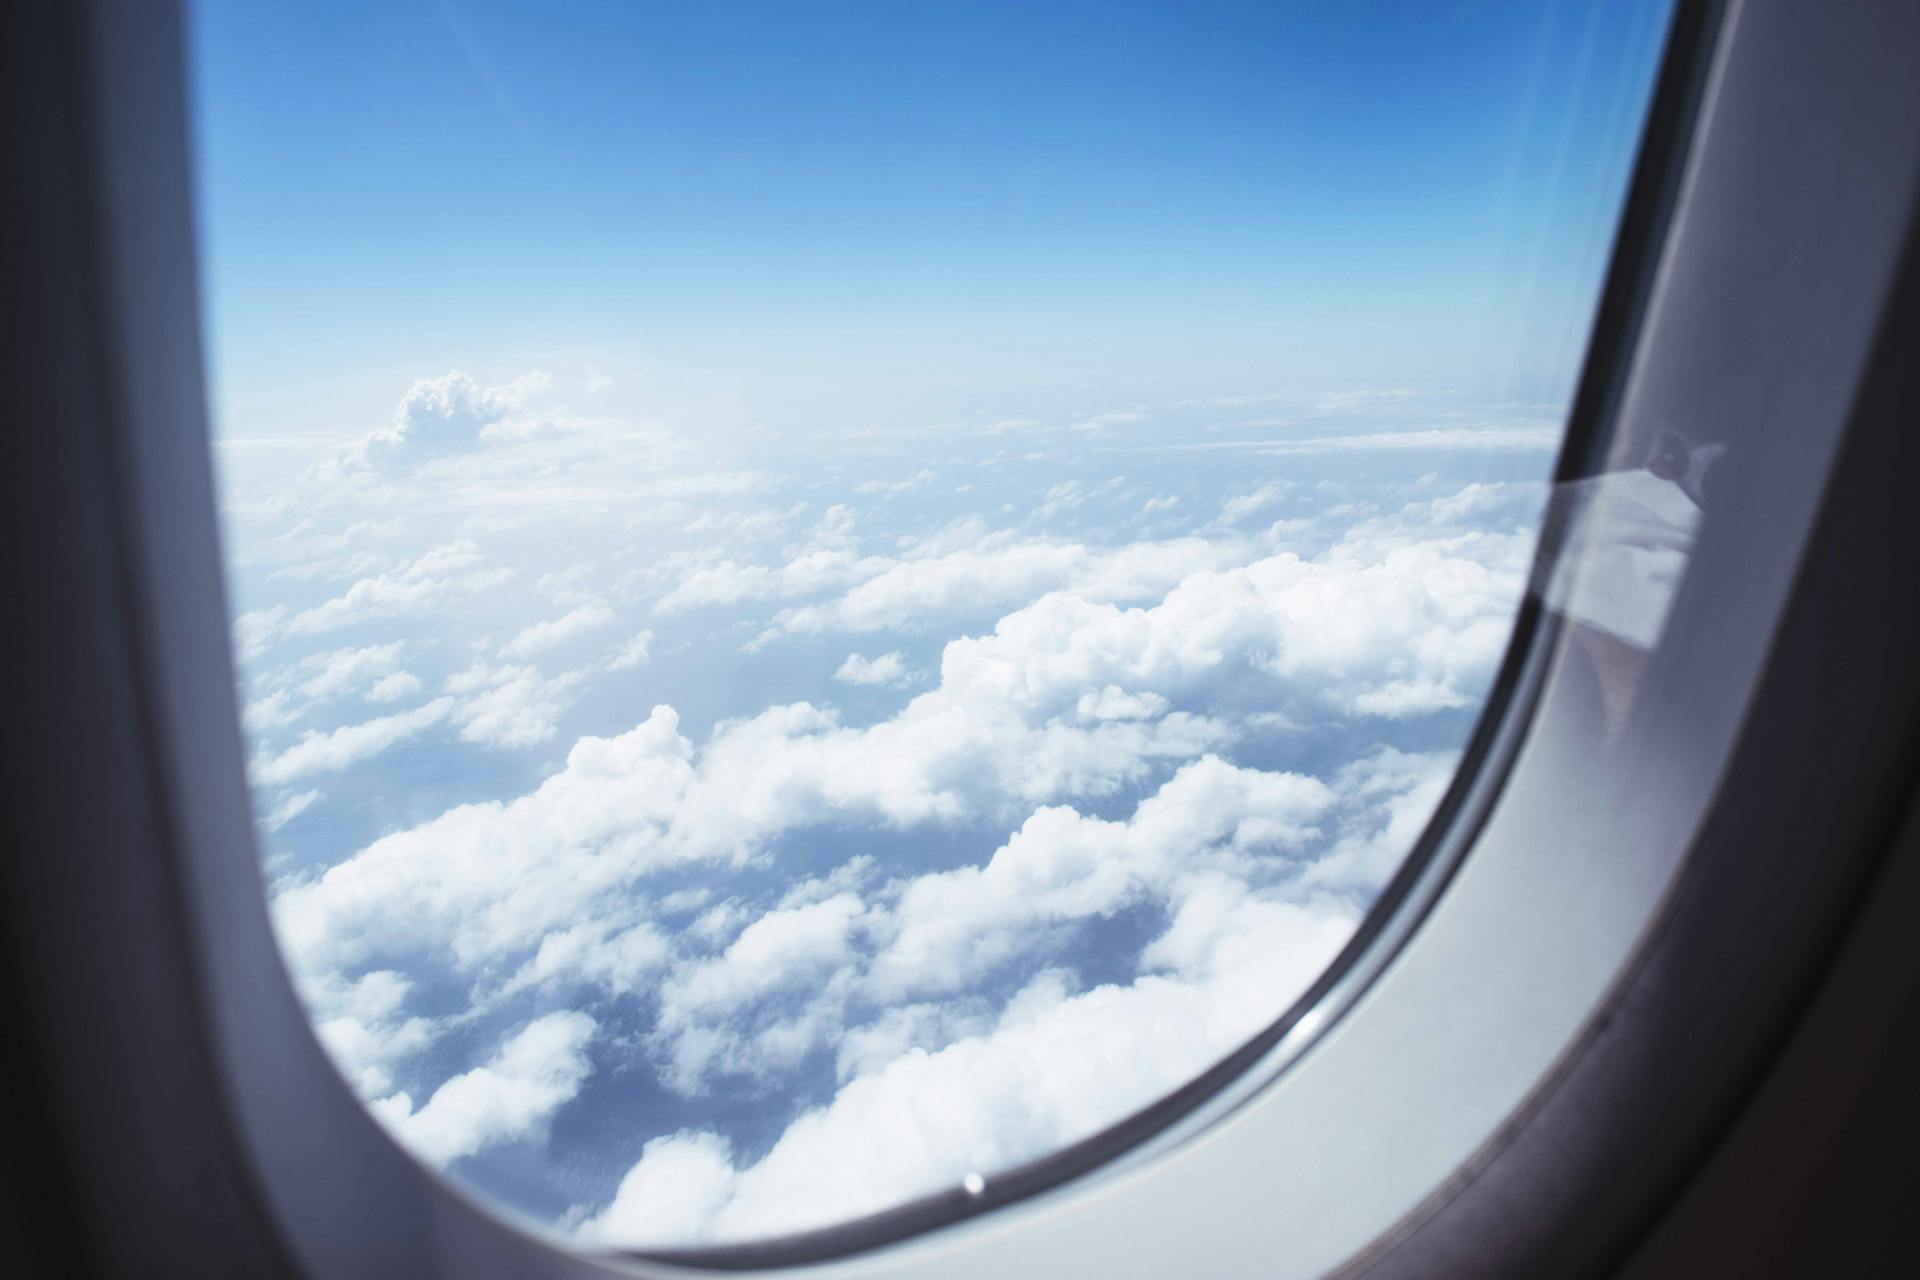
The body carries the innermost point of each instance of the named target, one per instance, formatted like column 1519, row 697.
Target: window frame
column 235, row 1147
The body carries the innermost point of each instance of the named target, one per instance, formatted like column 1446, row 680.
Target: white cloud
column 533, row 1075
column 542, row 636
column 1055, row 1067
column 1114, row 679
column 781, row 950
column 611, row 955
column 442, row 415
column 486, row 881
column 728, row 582
column 919, row 480
column 1239, row 507
column 1064, row 698
column 364, row 1029
column 288, row 809
column 345, row 746
column 563, row 586
column 888, row 668
column 634, row 653
column 1103, row 421
column 394, row 687
column 253, row 632
column 1391, row 621
column 913, row 592
column 345, row 670
column 951, row 927
column 270, row 712
column 438, row 574
column 510, row 706
column 1523, row 437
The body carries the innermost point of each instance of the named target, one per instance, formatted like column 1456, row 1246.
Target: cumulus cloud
column 910, row 593
column 253, row 632
column 483, row 880
column 893, row 967
column 951, row 926
column 1065, row 698
column 365, row 1029
column 782, row 948
column 394, row 687
column 442, row 415
column 1521, row 437
column 510, row 706
column 1088, row 893
column 445, row 571
column 345, row 670
column 1055, row 1066
column 348, row 745
column 1387, row 622
column 542, row 636
column 804, row 573
column 1240, row 506
column 888, row 668
column 533, row 1075
column 486, row 881
column 633, row 653
column 288, row 809
column 919, row 480
column 271, row 711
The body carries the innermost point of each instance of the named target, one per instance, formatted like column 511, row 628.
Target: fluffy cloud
column 1066, row 698
column 888, row 668
column 394, row 687
column 918, row 480
column 253, row 632
column 910, row 593
column 633, row 653
column 1055, row 1066
column 486, row 880
column 288, row 809
column 1216, row 851
column 511, row 706
column 1067, row 801
column 442, row 415
column 542, row 636
column 1240, row 506
column 344, row 670
column 1385, row 623
column 346, row 746
column 952, row 926
column 443, row 572
column 365, row 1028
column 536, row 1072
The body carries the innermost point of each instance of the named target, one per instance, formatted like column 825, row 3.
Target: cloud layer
column 620, row 789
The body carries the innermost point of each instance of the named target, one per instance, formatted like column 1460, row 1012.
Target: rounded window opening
column 832, row 598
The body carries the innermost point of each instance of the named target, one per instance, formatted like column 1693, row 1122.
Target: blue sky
column 830, row 597
column 944, row 205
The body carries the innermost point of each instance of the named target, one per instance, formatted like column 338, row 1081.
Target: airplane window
column 832, row 598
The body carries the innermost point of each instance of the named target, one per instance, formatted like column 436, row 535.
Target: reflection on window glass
column 832, row 597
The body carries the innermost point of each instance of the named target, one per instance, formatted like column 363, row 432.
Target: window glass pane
column 832, row 597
